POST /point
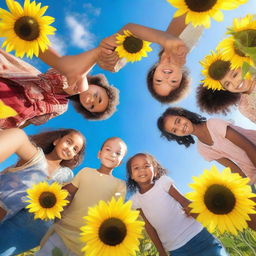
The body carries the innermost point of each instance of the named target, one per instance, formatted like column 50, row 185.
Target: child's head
column 216, row 101
column 143, row 168
column 167, row 82
column 68, row 144
column 112, row 152
column 178, row 124
column 99, row 101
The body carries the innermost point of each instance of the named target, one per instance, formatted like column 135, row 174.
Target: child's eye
column 92, row 107
column 68, row 142
column 136, row 168
column 118, row 153
column 235, row 74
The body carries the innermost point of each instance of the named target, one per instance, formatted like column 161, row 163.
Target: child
column 57, row 152
column 167, row 80
column 166, row 212
column 87, row 188
column 38, row 97
column 235, row 91
column 219, row 140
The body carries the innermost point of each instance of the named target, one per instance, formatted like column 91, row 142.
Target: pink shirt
column 247, row 105
column 36, row 97
column 224, row 148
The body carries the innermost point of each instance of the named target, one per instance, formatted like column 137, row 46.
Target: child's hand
column 108, row 60
column 109, row 43
column 188, row 212
column 176, row 50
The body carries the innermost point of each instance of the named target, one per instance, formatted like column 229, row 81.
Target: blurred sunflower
column 215, row 66
column 222, row 200
column 199, row 12
column 46, row 201
column 6, row 111
column 25, row 29
column 111, row 229
column 231, row 52
column 131, row 48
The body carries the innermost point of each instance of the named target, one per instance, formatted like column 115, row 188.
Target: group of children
column 51, row 156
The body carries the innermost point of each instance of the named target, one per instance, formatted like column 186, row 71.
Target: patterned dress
column 36, row 97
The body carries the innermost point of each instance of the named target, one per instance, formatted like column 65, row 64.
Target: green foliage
column 244, row 244
column 57, row 252
column 146, row 247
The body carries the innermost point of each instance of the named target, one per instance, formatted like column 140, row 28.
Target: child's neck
column 53, row 162
column 202, row 133
column 143, row 188
column 105, row 170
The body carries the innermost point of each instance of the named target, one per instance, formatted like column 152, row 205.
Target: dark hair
column 174, row 95
column 111, row 138
column 214, row 101
column 131, row 184
column 113, row 97
column 45, row 141
column 176, row 111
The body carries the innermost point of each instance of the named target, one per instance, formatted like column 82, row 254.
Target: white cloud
column 80, row 35
column 58, row 44
column 90, row 8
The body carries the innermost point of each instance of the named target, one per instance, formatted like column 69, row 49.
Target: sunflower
column 25, row 29
column 199, row 12
column 46, row 201
column 231, row 52
column 222, row 200
column 111, row 229
column 6, row 111
column 131, row 48
column 215, row 67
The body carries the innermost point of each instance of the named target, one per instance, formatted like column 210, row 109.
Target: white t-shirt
column 166, row 215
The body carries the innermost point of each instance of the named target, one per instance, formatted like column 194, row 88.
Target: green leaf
column 57, row 252
column 245, row 68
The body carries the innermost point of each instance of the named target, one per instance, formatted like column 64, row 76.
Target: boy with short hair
column 87, row 188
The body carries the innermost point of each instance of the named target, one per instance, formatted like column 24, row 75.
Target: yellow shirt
column 92, row 187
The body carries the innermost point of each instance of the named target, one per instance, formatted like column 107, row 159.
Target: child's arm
column 177, row 26
column 234, row 168
column 15, row 140
column 72, row 189
column 74, row 67
column 153, row 235
column 184, row 202
column 243, row 143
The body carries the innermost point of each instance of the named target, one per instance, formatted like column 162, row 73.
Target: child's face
column 112, row 153
column 167, row 77
column 234, row 82
column 95, row 99
column 178, row 125
column 142, row 170
column 68, row 146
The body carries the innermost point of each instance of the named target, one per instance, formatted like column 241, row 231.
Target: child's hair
column 113, row 97
column 176, row 111
column 174, row 95
column 45, row 141
column 216, row 101
column 131, row 184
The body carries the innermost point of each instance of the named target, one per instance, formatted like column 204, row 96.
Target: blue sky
column 80, row 26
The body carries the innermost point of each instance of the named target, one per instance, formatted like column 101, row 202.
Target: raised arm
column 177, row 26
column 184, row 202
column 15, row 140
column 234, row 168
column 153, row 235
column 74, row 67
column 242, row 142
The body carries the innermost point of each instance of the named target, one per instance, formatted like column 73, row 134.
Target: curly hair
column 174, row 95
column 113, row 97
column 176, row 111
column 216, row 102
column 45, row 141
column 131, row 184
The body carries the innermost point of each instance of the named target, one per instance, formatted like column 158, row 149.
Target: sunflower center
column 27, row 28
column 219, row 199
column 132, row 44
column 200, row 5
column 112, row 231
column 218, row 69
column 47, row 199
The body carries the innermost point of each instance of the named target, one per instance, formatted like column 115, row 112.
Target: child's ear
column 55, row 142
column 98, row 156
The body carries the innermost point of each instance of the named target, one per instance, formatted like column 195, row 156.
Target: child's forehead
column 115, row 142
column 141, row 157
